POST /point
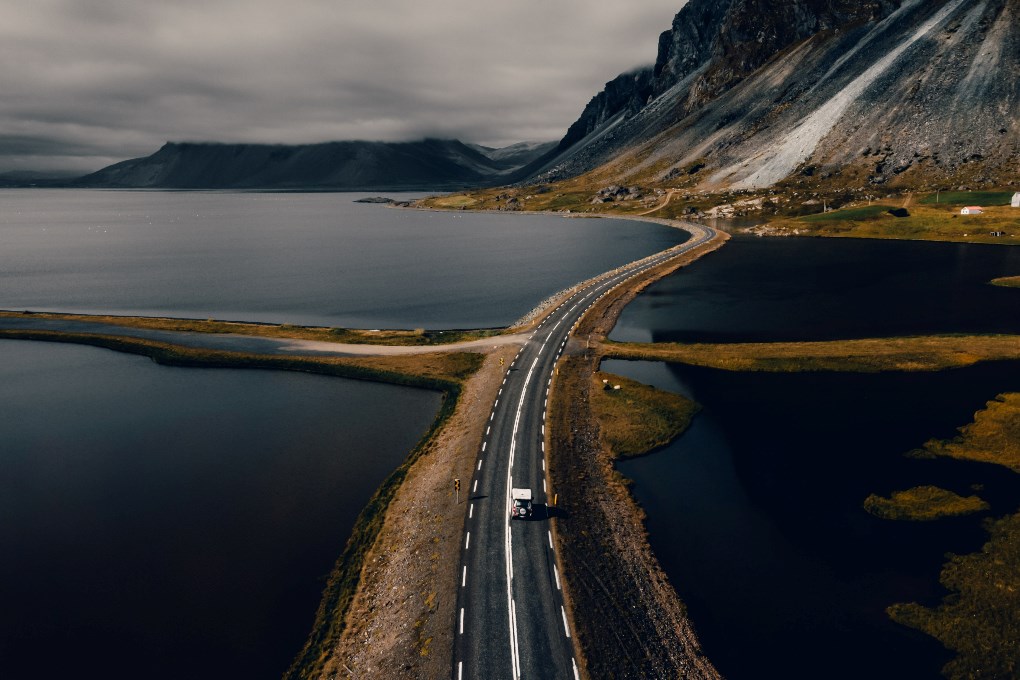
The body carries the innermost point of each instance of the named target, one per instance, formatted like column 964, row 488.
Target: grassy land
column 993, row 437
column 864, row 212
column 923, row 503
column 980, row 621
column 1007, row 281
column 925, row 222
column 783, row 209
column 638, row 418
column 441, row 371
column 982, row 198
column 923, row 353
column 417, row 337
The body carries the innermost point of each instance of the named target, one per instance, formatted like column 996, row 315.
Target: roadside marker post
column 456, row 487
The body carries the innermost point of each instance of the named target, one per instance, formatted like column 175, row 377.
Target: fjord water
column 164, row 522
column 775, row 289
column 756, row 513
column 311, row 259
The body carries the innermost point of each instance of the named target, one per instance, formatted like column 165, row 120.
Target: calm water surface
column 764, row 289
column 164, row 522
column 316, row 259
column 755, row 513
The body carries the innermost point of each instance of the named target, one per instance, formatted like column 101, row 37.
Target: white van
column 520, row 503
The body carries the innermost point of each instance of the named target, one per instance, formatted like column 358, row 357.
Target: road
column 510, row 617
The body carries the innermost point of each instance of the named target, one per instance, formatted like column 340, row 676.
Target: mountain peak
column 755, row 92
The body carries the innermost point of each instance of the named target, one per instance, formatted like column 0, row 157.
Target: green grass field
column 982, row 198
column 863, row 212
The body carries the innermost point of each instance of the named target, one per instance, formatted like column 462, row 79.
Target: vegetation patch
column 454, row 201
column 637, row 418
column 416, row 337
column 1006, row 281
column 980, row 620
column 863, row 212
column 993, row 437
column 982, row 198
column 997, row 224
column 921, row 353
column 922, row 504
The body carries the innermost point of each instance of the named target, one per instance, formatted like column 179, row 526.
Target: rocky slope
column 746, row 94
column 431, row 163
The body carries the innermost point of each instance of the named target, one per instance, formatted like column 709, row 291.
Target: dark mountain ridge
column 427, row 164
column 750, row 92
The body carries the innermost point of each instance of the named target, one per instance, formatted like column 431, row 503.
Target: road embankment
column 629, row 620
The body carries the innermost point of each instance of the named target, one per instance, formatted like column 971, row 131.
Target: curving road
column 510, row 618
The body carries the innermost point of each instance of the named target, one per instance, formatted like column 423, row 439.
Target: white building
column 1016, row 200
column 972, row 210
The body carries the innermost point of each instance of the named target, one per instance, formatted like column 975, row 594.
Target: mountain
column 748, row 94
column 431, row 164
column 516, row 155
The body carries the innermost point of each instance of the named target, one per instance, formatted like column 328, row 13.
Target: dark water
column 755, row 513
column 762, row 289
column 177, row 523
column 315, row 259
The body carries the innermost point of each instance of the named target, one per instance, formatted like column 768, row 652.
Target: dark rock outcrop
column 747, row 93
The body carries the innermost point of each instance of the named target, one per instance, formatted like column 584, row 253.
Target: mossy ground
column 993, row 437
column 980, row 618
column 637, row 418
column 922, row 504
column 921, row 353
column 1006, row 281
column 925, row 222
column 415, row 337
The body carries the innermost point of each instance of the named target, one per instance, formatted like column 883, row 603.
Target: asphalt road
column 510, row 618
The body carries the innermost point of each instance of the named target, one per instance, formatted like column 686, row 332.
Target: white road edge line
column 463, row 579
column 462, row 621
column 467, row 541
column 556, row 573
column 508, row 543
column 566, row 628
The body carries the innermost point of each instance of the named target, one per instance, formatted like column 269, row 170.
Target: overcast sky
column 84, row 83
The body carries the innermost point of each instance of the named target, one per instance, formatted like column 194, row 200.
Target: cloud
column 95, row 80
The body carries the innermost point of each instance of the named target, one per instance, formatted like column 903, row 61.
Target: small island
column 923, row 504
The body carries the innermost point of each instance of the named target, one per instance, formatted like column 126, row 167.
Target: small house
column 1016, row 200
column 972, row 210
